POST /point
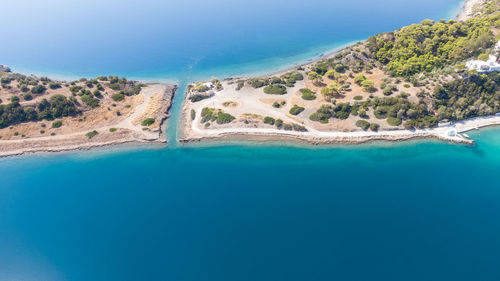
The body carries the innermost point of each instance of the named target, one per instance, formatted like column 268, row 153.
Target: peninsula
column 38, row 114
column 423, row 80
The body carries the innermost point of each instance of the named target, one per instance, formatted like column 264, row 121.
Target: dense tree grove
column 56, row 107
column 430, row 45
column 470, row 97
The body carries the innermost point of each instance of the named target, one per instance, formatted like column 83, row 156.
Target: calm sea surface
column 421, row 210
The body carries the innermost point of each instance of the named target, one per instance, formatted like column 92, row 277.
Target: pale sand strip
column 467, row 10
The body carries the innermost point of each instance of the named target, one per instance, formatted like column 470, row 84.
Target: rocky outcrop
column 4, row 68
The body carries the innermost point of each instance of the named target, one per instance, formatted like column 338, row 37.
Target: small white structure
column 209, row 85
column 452, row 133
column 497, row 46
column 484, row 66
column 492, row 64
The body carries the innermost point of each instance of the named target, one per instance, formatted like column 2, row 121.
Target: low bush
column 57, row 124
column 374, row 127
column 269, row 120
column 381, row 112
column 363, row 124
column 307, row 94
column 118, row 97
column 91, row 134
column 223, row 118
column 394, row 121
column 296, row 110
column 27, row 97
column 196, row 98
column 90, row 101
column 38, row 89
column 148, row 122
column 275, row 90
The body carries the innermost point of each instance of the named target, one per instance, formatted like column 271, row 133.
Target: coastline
column 128, row 136
column 189, row 132
column 323, row 138
column 157, row 102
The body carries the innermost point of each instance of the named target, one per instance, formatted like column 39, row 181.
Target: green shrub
column 118, row 97
column 114, row 86
column 24, row 88
column 359, row 79
column 75, row 89
column 368, row 85
column 27, row 97
column 38, row 89
column 363, row 124
column 240, row 84
column 296, row 110
column 279, row 123
column 322, row 115
column 57, row 124
column 381, row 112
column 223, row 118
column 269, row 120
column 14, row 99
column 196, row 98
column 91, row 134
column 275, row 90
column 394, row 121
column 258, row 83
column 54, row 85
column 112, row 130
column 483, row 57
column 90, row 101
column 193, row 114
column 374, row 127
column 358, row 97
column 148, row 122
column 307, row 94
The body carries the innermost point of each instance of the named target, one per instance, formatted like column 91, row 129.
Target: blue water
column 421, row 210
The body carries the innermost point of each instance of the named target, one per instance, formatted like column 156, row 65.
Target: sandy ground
column 154, row 101
column 468, row 9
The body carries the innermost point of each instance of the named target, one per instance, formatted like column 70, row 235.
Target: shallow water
column 419, row 210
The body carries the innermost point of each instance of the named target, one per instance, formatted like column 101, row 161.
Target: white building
column 484, row 66
column 492, row 64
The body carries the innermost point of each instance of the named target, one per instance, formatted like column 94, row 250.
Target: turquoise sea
column 419, row 210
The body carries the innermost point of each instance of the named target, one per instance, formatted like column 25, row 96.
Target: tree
column 359, row 79
column 315, row 77
column 147, row 122
column 38, row 89
column 330, row 74
column 368, row 85
column 327, row 92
